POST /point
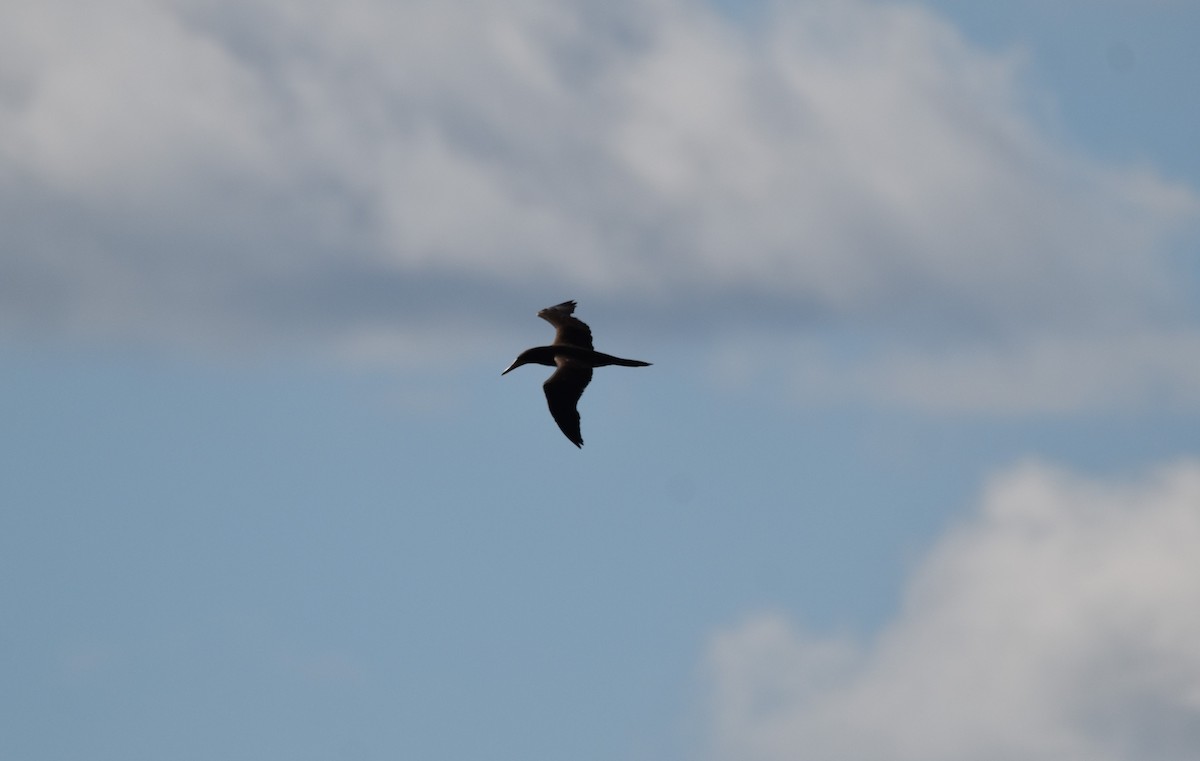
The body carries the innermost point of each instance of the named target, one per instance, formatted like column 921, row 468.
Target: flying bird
column 573, row 355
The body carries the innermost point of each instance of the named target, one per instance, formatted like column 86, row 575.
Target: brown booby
column 574, row 356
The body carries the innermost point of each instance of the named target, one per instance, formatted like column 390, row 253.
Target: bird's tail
column 608, row 359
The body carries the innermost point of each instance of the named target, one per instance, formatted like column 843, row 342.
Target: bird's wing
column 571, row 330
column 563, row 389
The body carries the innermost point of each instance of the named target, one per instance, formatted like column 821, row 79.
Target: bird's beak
column 510, row 368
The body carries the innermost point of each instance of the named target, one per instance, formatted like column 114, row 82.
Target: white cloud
column 182, row 171
column 1059, row 623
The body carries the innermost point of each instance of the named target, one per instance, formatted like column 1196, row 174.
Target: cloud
column 1058, row 623
column 329, row 176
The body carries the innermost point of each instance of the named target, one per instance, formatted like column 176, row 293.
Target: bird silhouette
column 573, row 355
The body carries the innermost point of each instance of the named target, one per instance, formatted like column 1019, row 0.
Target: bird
column 572, row 353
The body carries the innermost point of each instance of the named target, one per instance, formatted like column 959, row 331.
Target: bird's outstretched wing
column 571, row 330
column 563, row 389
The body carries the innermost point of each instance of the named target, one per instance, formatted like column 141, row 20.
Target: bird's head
column 523, row 358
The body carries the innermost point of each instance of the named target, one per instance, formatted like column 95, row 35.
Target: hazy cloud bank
column 361, row 177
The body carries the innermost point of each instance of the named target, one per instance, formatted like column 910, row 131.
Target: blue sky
column 914, row 474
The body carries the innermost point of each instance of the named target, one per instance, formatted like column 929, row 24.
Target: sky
column 914, row 474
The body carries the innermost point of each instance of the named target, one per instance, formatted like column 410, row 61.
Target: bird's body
column 573, row 355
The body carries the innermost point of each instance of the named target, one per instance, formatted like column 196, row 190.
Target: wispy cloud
column 1058, row 623
column 270, row 172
